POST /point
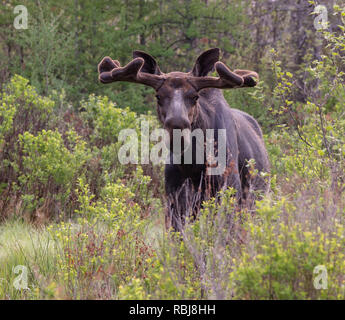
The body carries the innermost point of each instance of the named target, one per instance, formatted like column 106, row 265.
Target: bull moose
column 192, row 101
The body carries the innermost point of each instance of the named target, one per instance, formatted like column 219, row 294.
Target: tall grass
column 24, row 244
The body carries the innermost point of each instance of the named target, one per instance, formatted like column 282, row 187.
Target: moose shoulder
column 193, row 101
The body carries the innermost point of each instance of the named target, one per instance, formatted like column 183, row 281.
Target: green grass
column 24, row 244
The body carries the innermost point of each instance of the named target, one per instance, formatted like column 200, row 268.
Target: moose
column 193, row 100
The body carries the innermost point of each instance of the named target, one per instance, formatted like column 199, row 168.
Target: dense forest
column 84, row 226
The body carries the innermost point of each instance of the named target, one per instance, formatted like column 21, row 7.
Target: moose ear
column 205, row 62
column 150, row 65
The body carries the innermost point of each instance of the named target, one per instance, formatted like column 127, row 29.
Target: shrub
column 285, row 242
column 105, row 248
column 105, row 121
column 49, row 171
column 21, row 110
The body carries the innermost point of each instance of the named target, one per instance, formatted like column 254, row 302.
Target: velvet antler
column 110, row 70
column 142, row 69
column 227, row 79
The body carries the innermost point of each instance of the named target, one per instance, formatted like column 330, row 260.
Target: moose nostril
column 177, row 123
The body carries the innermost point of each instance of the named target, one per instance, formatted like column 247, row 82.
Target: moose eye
column 195, row 99
column 159, row 99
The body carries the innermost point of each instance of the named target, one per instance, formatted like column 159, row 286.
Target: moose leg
column 253, row 187
column 234, row 181
column 231, row 178
column 180, row 193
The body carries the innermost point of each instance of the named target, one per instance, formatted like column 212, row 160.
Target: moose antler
column 227, row 79
column 142, row 69
column 110, row 70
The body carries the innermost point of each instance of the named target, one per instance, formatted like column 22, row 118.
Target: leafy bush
column 285, row 242
column 40, row 165
column 22, row 110
column 50, row 169
column 105, row 248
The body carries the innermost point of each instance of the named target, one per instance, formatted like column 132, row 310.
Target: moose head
column 177, row 93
